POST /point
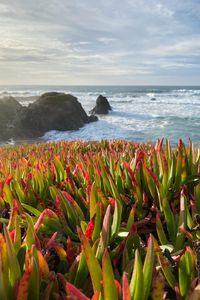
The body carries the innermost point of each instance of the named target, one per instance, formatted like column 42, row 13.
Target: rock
column 93, row 118
column 102, row 106
column 8, row 109
column 153, row 99
column 52, row 111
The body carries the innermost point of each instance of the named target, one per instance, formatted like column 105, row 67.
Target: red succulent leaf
column 52, row 241
column 52, row 171
column 70, row 251
column 119, row 288
column 95, row 296
column 112, row 202
column 46, row 213
column 74, row 293
column 22, row 293
column 187, row 233
column 68, row 197
column 126, row 294
column 71, row 290
column 8, row 179
column 89, row 229
column 12, row 234
column 30, row 176
column 131, row 173
column 154, row 177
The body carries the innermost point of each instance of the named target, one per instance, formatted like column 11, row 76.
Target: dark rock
column 93, row 118
column 52, row 111
column 102, row 106
column 8, row 109
column 153, row 99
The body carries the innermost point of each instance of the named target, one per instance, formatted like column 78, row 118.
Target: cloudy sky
column 100, row 42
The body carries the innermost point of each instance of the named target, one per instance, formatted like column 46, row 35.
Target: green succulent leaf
column 109, row 288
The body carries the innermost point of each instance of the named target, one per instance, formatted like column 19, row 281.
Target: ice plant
column 100, row 220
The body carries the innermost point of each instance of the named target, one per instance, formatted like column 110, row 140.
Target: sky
column 98, row 42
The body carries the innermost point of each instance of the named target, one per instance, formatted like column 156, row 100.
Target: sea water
column 139, row 113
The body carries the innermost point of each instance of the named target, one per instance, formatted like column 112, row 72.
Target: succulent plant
column 100, row 220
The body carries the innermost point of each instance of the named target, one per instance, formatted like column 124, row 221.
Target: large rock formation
column 52, row 111
column 102, row 106
column 8, row 109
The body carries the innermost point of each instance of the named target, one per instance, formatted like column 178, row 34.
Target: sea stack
column 52, row 111
column 8, row 109
column 102, row 106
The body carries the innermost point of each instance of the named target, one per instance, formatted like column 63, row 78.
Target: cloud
column 105, row 42
column 190, row 46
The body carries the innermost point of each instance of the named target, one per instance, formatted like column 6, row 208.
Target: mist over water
column 140, row 113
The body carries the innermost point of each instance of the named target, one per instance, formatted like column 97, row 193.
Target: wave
column 186, row 92
column 20, row 93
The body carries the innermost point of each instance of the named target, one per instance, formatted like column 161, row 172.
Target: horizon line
column 100, row 85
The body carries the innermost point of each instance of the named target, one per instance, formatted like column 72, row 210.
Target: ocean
column 139, row 113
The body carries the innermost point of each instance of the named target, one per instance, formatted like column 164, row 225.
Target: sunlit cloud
column 99, row 42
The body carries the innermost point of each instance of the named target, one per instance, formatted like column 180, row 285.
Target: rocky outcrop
column 102, row 106
column 8, row 109
column 52, row 111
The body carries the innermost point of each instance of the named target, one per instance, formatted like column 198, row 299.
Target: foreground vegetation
column 108, row 220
